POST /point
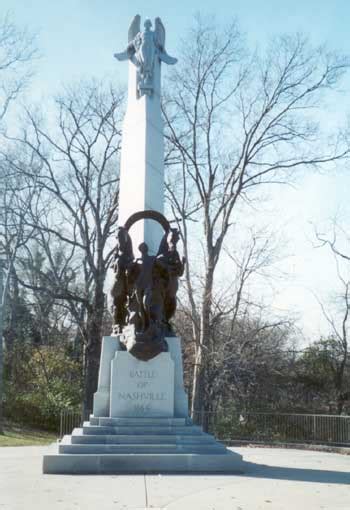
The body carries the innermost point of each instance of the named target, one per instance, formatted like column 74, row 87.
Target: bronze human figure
column 169, row 258
column 123, row 257
column 144, row 289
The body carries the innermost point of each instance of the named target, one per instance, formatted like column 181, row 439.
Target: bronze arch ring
column 148, row 215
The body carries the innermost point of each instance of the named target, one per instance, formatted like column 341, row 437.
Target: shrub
column 44, row 380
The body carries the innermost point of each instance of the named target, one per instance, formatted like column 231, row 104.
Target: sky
column 77, row 39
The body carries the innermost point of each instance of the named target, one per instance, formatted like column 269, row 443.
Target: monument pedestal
column 110, row 347
column 140, row 388
column 140, row 422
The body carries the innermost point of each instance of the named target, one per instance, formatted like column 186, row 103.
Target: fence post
column 61, row 424
column 314, row 428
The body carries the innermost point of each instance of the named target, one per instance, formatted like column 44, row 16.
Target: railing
column 70, row 419
column 255, row 426
column 278, row 427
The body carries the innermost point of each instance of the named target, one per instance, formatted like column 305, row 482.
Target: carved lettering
column 139, row 395
column 143, row 374
column 142, row 384
column 142, row 408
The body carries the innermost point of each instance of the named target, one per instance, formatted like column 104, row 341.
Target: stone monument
column 142, row 156
column 140, row 420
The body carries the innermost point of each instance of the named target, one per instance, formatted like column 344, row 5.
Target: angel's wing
column 164, row 57
column 160, row 33
column 122, row 55
column 134, row 28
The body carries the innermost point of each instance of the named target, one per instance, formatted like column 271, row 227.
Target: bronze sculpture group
column 144, row 289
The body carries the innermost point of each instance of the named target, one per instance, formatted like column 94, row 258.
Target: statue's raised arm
column 142, row 50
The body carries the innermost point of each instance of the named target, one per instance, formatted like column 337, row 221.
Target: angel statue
column 143, row 48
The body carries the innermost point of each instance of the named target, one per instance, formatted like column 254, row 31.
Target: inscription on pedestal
column 142, row 388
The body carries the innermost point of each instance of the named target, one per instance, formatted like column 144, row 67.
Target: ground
column 275, row 479
column 18, row 435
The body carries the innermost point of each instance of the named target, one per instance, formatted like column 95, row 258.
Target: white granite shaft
column 142, row 162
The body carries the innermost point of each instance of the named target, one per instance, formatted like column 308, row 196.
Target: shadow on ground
column 296, row 474
column 252, row 470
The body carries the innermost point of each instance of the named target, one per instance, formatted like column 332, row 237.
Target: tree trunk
column 92, row 361
column 340, row 405
column 198, row 404
column 339, row 383
column 1, row 346
column 13, row 318
column 93, row 348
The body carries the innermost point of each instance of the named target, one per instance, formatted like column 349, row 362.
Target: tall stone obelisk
column 142, row 157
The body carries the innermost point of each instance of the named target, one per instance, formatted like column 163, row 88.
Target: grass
column 20, row 435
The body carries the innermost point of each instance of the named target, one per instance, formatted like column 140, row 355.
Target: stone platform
column 140, row 422
column 141, row 445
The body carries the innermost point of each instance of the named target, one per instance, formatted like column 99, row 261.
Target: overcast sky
column 77, row 39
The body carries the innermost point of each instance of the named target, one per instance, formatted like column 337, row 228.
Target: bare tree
column 16, row 197
column 236, row 122
column 74, row 172
column 244, row 351
column 2, row 300
column 13, row 236
column 17, row 51
column 339, row 322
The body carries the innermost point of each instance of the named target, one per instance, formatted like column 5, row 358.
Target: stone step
column 79, row 438
column 158, row 422
column 142, row 429
column 94, row 420
column 225, row 462
column 110, row 449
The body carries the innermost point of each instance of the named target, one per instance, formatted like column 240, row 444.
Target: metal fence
column 70, row 419
column 255, row 426
column 278, row 427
